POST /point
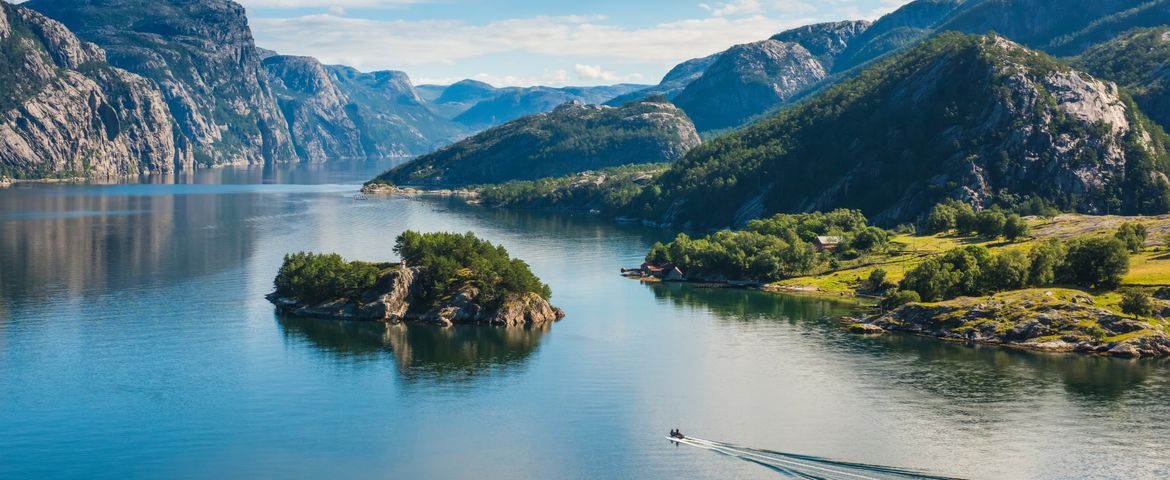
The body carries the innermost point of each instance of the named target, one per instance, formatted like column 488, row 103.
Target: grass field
column 1150, row 268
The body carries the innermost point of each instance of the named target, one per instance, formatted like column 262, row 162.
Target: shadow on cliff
column 422, row 353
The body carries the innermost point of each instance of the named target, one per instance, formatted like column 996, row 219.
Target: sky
column 526, row 42
column 532, row 42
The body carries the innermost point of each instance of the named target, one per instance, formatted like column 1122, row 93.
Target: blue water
column 135, row 342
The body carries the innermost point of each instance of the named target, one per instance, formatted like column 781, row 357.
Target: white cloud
column 593, row 73
column 736, row 8
column 368, row 44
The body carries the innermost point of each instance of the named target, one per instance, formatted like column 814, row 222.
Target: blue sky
column 519, row 42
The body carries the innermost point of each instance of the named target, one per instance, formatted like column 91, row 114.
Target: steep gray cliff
column 202, row 56
column 65, row 112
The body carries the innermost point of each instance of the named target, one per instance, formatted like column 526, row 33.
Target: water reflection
column 747, row 305
column 970, row 373
column 579, row 226
column 74, row 243
column 154, row 230
column 422, row 352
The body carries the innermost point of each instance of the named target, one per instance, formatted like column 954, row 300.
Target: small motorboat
column 677, row 434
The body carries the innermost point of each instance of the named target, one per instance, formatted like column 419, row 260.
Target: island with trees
column 1073, row 283
column 442, row 279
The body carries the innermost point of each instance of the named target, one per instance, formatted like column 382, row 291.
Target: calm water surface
column 135, row 342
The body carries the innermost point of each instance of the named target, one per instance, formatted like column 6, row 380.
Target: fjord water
column 135, row 342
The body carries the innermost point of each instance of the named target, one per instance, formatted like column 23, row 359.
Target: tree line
column 445, row 261
column 1099, row 262
column 772, row 249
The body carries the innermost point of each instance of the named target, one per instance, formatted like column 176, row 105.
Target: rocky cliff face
column 316, row 110
column 573, row 138
column 748, row 80
column 976, row 118
column 394, row 299
column 202, row 56
column 65, row 111
column 825, row 40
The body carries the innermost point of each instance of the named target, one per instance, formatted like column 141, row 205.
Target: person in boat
column 676, row 434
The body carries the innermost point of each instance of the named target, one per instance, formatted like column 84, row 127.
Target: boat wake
column 807, row 466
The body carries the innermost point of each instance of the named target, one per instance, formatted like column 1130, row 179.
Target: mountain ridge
column 572, row 138
column 920, row 133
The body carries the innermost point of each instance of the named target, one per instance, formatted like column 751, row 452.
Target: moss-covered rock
column 1042, row 319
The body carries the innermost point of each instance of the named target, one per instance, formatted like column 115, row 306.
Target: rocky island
column 443, row 279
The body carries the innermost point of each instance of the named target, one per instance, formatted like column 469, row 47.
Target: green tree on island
column 449, row 259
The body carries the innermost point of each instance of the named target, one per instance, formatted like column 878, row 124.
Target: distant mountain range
column 172, row 85
column 176, row 85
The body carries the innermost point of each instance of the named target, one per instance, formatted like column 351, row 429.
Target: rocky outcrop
column 825, row 41
column 573, row 138
column 749, row 80
column 1041, row 320
column 64, row 111
column 202, row 56
column 394, row 299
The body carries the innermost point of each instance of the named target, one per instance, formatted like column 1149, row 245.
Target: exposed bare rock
column 5, row 28
column 527, row 309
column 202, row 56
column 66, row 112
column 826, row 41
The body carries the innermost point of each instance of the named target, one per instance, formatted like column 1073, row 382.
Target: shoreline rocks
column 394, row 299
column 388, row 189
column 1054, row 321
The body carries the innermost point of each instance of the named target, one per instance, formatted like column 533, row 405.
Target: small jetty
column 668, row 272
